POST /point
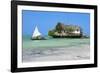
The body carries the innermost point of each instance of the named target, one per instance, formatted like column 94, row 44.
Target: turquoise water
column 53, row 42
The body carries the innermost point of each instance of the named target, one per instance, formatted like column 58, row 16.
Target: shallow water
column 53, row 42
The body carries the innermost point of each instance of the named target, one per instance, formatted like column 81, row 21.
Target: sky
column 46, row 21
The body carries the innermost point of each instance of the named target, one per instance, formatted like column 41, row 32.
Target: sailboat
column 37, row 35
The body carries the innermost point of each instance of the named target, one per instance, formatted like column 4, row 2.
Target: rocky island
column 64, row 31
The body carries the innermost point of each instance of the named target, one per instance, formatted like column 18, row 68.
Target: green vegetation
column 51, row 32
column 59, row 27
column 70, row 28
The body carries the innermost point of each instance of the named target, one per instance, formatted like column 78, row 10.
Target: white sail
column 36, row 33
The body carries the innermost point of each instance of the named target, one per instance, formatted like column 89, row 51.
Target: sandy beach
column 80, row 52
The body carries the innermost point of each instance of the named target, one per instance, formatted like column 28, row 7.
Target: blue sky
column 46, row 21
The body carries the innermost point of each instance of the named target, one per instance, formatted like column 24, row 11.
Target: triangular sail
column 36, row 33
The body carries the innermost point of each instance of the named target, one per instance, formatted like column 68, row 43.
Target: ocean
column 53, row 42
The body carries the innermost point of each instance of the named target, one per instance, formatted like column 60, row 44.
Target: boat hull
column 38, row 38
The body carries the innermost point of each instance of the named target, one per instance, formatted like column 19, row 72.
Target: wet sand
column 81, row 52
